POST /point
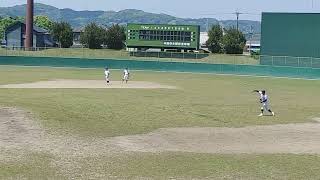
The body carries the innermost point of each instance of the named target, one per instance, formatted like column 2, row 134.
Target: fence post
column 311, row 62
column 234, row 59
column 82, row 49
column 298, row 61
column 271, row 60
column 285, row 60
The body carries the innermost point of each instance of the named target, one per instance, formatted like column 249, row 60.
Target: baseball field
column 66, row 123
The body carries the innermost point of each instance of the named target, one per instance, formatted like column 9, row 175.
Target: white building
column 253, row 46
column 203, row 39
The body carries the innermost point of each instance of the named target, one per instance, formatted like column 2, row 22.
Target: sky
column 220, row 9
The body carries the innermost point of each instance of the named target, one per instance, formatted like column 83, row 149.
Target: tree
column 62, row 33
column 115, row 37
column 234, row 41
column 43, row 22
column 214, row 42
column 93, row 36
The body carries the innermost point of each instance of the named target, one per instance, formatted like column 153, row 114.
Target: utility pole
column 29, row 25
column 237, row 13
column 251, row 35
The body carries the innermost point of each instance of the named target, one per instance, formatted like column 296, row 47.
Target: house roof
column 78, row 29
column 39, row 29
column 35, row 28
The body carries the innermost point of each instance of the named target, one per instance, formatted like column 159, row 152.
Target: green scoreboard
column 181, row 37
column 290, row 34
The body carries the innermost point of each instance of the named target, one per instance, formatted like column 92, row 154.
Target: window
column 187, row 38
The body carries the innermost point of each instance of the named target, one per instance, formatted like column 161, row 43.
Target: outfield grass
column 202, row 100
column 204, row 166
column 35, row 166
column 170, row 166
column 114, row 54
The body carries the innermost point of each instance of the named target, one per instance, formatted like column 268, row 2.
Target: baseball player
column 126, row 75
column 107, row 74
column 264, row 102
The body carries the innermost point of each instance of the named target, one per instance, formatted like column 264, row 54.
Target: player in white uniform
column 125, row 75
column 107, row 74
column 264, row 102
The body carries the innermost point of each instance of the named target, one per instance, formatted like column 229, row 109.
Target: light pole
column 29, row 25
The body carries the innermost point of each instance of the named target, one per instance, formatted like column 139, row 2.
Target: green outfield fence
column 255, row 70
column 288, row 61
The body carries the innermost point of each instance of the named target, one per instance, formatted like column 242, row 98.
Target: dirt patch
column 290, row 138
column 19, row 132
column 88, row 84
column 20, row 135
column 316, row 119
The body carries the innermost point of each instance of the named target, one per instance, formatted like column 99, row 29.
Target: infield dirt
column 87, row 84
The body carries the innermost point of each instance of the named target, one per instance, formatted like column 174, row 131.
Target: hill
column 79, row 19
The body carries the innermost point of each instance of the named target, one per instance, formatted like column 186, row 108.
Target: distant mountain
column 79, row 19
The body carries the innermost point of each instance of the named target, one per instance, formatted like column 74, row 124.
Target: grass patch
column 165, row 166
column 204, row 166
column 34, row 166
column 115, row 54
column 222, row 167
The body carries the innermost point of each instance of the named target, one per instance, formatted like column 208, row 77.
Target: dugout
column 290, row 39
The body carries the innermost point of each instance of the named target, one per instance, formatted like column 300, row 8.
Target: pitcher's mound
column 88, row 84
